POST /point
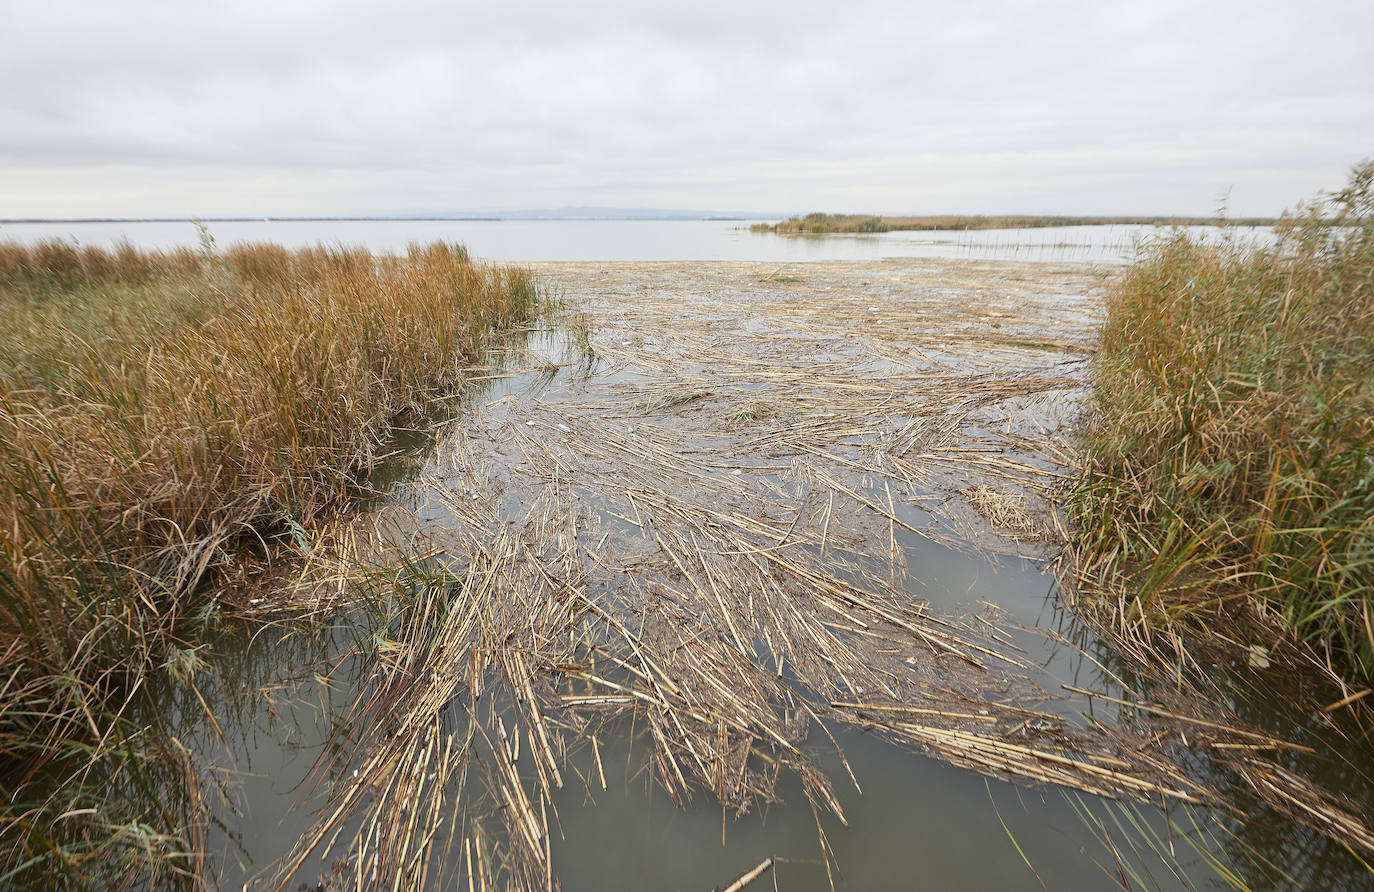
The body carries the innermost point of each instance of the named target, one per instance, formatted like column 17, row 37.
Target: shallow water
column 913, row 821
column 523, row 241
column 918, row 823
column 915, row 817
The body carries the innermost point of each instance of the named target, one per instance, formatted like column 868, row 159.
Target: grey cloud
column 888, row 106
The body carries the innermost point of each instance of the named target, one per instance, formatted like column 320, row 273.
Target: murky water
column 914, row 820
column 620, row 240
column 917, row 824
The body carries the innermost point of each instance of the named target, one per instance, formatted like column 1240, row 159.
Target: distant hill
column 563, row 213
column 604, row 213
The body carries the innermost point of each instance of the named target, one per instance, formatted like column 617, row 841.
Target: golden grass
column 1231, row 459
column 160, row 414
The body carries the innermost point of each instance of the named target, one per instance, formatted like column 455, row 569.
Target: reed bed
column 727, row 572
column 1229, row 484
column 164, row 420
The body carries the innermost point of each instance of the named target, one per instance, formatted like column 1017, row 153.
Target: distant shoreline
column 822, row 224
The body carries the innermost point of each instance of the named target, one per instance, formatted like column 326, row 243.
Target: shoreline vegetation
column 822, row 223
column 167, row 422
column 1229, row 486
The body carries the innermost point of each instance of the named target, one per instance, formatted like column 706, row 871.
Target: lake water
column 522, row 241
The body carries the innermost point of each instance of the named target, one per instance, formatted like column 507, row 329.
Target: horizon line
column 534, row 216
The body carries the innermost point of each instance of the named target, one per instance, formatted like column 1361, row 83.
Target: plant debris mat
column 689, row 507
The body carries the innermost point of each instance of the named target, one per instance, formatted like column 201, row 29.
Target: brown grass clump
column 1003, row 509
column 159, row 411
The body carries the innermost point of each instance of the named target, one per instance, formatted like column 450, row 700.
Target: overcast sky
column 135, row 107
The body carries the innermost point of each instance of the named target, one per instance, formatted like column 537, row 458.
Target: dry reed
column 161, row 416
column 1230, row 462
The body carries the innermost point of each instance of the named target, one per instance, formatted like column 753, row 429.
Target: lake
column 521, row 241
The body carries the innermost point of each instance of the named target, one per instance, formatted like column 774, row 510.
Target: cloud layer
column 308, row 107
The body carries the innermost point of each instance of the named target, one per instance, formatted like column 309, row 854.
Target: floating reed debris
column 764, row 866
column 1006, row 510
column 726, row 589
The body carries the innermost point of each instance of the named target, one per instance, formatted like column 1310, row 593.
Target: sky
column 143, row 108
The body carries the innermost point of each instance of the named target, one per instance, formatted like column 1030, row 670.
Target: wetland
column 709, row 566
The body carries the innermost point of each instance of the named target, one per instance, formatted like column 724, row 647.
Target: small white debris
column 872, row 309
column 627, row 343
column 255, row 600
column 529, row 423
column 1259, row 656
column 565, row 429
column 910, row 661
column 736, row 472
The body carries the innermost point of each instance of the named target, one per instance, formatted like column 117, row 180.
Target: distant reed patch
column 819, row 223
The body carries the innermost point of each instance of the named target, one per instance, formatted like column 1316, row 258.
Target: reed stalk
column 1230, row 465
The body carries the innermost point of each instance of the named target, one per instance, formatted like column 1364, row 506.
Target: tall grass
column 1232, row 462
column 160, row 414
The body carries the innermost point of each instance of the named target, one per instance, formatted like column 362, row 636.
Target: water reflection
column 917, row 823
